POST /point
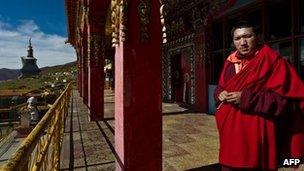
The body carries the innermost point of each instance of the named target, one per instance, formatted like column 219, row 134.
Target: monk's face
column 245, row 41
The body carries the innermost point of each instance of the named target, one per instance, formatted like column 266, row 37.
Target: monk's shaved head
column 245, row 24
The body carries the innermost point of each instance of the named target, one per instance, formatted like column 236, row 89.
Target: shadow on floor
column 177, row 113
column 211, row 167
column 184, row 105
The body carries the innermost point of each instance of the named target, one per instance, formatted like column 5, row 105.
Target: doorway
column 176, row 78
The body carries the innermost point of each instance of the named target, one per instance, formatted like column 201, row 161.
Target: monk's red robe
column 256, row 133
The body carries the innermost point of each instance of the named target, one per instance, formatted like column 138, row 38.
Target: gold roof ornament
column 163, row 23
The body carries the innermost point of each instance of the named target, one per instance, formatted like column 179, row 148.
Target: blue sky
column 44, row 21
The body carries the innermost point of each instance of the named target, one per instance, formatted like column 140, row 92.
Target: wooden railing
column 41, row 149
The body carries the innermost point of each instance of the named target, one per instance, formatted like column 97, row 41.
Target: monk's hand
column 234, row 97
column 223, row 96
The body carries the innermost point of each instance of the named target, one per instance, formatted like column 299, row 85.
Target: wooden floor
column 87, row 145
column 190, row 140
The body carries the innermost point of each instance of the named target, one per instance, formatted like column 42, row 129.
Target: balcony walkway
column 190, row 140
column 88, row 145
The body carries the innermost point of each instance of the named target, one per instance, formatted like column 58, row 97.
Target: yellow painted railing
column 41, row 149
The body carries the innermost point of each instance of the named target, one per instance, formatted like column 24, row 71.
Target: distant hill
column 47, row 76
column 8, row 74
column 58, row 68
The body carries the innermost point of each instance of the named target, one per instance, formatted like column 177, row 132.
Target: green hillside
column 60, row 74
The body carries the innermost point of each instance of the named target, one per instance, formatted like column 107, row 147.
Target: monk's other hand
column 223, row 96
column 234, row 97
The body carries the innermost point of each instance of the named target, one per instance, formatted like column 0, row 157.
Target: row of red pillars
column 90, row 51
column 138, row 116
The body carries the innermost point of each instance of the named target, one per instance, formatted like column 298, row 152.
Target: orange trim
column 239, row 64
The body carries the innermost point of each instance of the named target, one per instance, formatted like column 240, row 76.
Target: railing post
column 57, row 140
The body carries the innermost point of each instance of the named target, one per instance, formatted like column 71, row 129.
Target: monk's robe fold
column 254, row 140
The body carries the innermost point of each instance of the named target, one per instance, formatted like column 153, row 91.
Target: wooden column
column 201, row 68
column 85, row 67
column 95, row 70
column 138, row 107
column 80, row 71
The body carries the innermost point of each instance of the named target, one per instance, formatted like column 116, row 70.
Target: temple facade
column 199, row 41
column 167, row 50
column 29, row 63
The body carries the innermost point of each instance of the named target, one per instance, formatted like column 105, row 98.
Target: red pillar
column 201, row 73
column 80, row 71
column 95, row 71
column 85, row 68
column 85, row 84
column 138, row 116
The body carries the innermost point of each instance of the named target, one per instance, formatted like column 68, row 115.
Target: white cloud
column 3, row 24
column 27, row 27
column 49, row 49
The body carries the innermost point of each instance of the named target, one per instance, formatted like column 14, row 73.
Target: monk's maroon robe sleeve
column 263, row 102
column 216, row 94
column 228, row 73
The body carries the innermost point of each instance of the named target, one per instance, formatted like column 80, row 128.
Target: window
column 231, row 23
column 217, row 65
column 278, row 31
column 217, row 35
column 279, row 20
column 285, row 50
column 216, row 54
column 301, row 13
column 301, row 58
column 255, row 17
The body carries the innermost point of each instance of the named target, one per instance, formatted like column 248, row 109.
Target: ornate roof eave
column 237, row 6
column 183, row 7
column 181, row 15
column 71, row 11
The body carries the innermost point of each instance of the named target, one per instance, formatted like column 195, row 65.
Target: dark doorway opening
column 176, row 78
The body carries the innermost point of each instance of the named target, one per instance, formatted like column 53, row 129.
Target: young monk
column 260, row 106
